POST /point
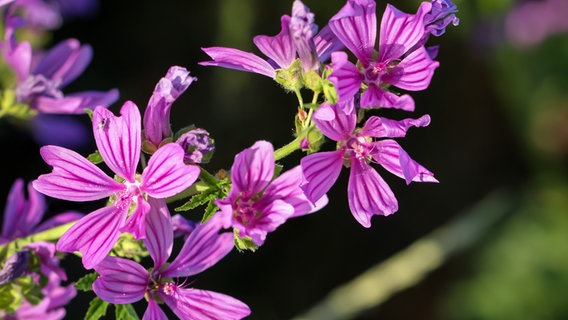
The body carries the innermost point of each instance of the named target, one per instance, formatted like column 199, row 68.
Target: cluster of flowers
column 255, row 197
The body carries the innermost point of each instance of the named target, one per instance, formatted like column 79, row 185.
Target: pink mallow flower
column 397, row 63
column 124, row 281
column 368, row 193
column 75, row 178
column 257, row 205
column 41, row 76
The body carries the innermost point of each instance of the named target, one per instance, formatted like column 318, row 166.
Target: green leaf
column 209, row 211
column 10, row 299
column 86, row 282
column 198, row 200
column 29, row 289
column 97, row 309
column 95, row 157
column 125, row 312
column 244, row 243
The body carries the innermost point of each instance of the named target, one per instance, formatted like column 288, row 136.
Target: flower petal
column 392, row 157
column 345, row 76
column 159, row 235
column 368, row 194
column 287, row 188
column 136, row 222
column 356, row 26
column 118, row 139
column 375, row 97
column 279, row 48
column 273, row 213
column 94, row 235
column 414, row 72
column 379, row 127
column 190, row 304
column 202, row 249
column 253, row 168
column 400, row 31
column 121, row 281
column 21, row 215
column 154, row 312
column 73, row 177
column 238, row 60
column 327, row 42
column 321, row 170
column 166, row 173
column 342, row 125
column 75, row 103
column 66, row 61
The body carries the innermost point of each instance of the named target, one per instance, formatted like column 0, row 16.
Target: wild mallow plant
column 354, row 67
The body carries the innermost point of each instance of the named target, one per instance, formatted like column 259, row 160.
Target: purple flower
column 257, row 205
column 51, row 306
column 441, row 15
column 296, row 38
column 49, row 14
column 41, row 77
column 531, row 22
column 75, row 178
column 198, row 146
column 368, row 193
column 22, row 216
column 397, row 63
column 157, row 114
column 124, row 281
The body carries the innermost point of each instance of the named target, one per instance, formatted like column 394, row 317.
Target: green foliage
column 130, row 248
column 244, row 243
column 125, row 312
column 291, row 78
column 29, row 289
column 95, row 157
column 86, row 282
column 10, row 298
column 11, row 108
column 210, row 189
column 97, row 309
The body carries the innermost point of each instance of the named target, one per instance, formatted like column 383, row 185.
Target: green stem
column 290, row 147
column 300, row 99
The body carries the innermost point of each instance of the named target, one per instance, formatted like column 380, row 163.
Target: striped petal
column 166, row 173
column 253, row 168
column 321, row 170
column 414, row 72
column 94, row 235
column 392, row 157
column 73, row 177
column 191, row 304
column 121, row 281
column 238, row 60
column 203, row 248
column 345, row 76
column 279, row 48
column 159, row 233
column 118, row 139
column 368, row 194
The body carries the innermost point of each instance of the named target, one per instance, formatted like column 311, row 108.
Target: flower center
column 244, row 210
column 38, row 85
column 356, row 147
column 128, row 196
column 168, row 288
column 376, row 69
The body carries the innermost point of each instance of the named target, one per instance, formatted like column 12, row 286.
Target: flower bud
column 198, row 146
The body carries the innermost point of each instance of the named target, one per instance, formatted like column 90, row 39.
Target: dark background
column 499, row 119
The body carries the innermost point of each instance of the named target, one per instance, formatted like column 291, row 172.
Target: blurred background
column 499, row 108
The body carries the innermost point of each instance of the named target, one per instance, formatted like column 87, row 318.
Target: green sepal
column 85, row 283
column 125, row 312
column 316, row 139
column 329, row 92
column 89, row 112
column 277, row 170
column 29, row 289
column 10, row 298
column 128, row 247
column 313, row 81
column 10, row 107
column 209, row 211
column 97, row 309
column 95, row 157
column 291, row 78
column 244, row 243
